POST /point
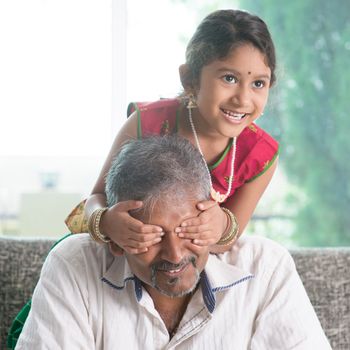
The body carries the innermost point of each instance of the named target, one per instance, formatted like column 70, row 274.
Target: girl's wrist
column 104, row 222
column 95, row 224
column 232, row 229
column 227, row 224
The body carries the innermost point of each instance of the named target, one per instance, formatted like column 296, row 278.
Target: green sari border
column 267, row 168
column 137, row 109
column 217, row 163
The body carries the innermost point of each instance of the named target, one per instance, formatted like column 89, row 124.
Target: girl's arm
column 208, row 227
column 116, row 223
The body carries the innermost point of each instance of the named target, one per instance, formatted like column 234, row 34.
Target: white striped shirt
column 249, row 298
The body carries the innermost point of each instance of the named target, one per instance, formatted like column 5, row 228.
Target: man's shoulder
column 254, row 253
column 78, row 247
column 261, row 244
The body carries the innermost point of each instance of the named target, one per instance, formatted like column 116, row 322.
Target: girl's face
column 232, row 92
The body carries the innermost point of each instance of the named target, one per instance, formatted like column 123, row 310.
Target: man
column 176, row 295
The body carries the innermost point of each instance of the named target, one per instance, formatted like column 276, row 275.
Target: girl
column 229, row 69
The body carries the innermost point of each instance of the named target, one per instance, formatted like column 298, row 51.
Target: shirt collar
column 216, row 277
column 219, row 276
column 119, row 274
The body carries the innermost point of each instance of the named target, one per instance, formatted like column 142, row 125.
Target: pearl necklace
column 215, row 195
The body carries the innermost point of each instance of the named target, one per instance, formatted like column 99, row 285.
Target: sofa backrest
column 20, row 265
column 324, row 272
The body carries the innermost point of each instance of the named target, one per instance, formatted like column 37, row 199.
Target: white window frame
column 119, row 68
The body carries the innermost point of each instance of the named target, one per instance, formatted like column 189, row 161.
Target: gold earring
column 191, row 101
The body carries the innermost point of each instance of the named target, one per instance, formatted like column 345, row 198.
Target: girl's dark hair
column 224, row 30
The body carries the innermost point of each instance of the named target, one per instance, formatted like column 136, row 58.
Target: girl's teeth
column 235, row 116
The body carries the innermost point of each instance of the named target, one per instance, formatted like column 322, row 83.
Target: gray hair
column 157, row 168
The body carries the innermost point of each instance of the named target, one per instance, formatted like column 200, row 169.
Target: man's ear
column 115, row 249
column 186, row 77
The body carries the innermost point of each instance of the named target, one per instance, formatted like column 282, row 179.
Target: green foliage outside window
column 313, row 47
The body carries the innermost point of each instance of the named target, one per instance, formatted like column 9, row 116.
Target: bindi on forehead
column 249, row 73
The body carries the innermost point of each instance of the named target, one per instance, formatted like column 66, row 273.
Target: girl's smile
column 233, row 117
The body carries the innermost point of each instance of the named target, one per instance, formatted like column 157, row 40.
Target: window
column 55, row 110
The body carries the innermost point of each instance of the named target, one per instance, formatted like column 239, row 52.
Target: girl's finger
column 205, row 205
column 132, row 243
column 192, row 222
column 146, row 237
column 196, row 235
column 203, row 242
column 127, row 205
column 192, row 229
column 133, row 251
column 150, row 229
column 139, row 227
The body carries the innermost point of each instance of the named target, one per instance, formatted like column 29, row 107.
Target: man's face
column 173, row 265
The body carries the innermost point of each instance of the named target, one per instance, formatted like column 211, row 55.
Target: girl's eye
column 259, row 84
column 229, row 78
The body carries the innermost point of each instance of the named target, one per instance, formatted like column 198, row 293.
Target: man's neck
column 170, row 309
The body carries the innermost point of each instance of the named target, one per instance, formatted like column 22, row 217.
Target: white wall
column 21, row 178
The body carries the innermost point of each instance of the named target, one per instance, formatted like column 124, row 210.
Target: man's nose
column 172, row 248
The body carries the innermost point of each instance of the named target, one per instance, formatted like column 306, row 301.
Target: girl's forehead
column 245, row 59
column 245, row 51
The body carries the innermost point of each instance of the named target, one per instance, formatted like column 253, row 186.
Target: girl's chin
column 232, row 130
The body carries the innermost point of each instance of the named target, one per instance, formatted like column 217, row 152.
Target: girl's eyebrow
column 227, row 69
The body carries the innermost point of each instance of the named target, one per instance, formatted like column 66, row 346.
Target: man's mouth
column 170, row 279
column 172, row 271
column 236, row 116
column 175, row 271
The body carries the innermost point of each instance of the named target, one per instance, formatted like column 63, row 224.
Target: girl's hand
column 206, row 228
column 130, row 234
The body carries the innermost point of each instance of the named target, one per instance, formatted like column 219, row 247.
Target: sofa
column 324, row 272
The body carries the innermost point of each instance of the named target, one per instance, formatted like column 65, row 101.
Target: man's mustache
column 166, row 265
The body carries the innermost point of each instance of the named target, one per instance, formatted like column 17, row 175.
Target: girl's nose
column 241, row 96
